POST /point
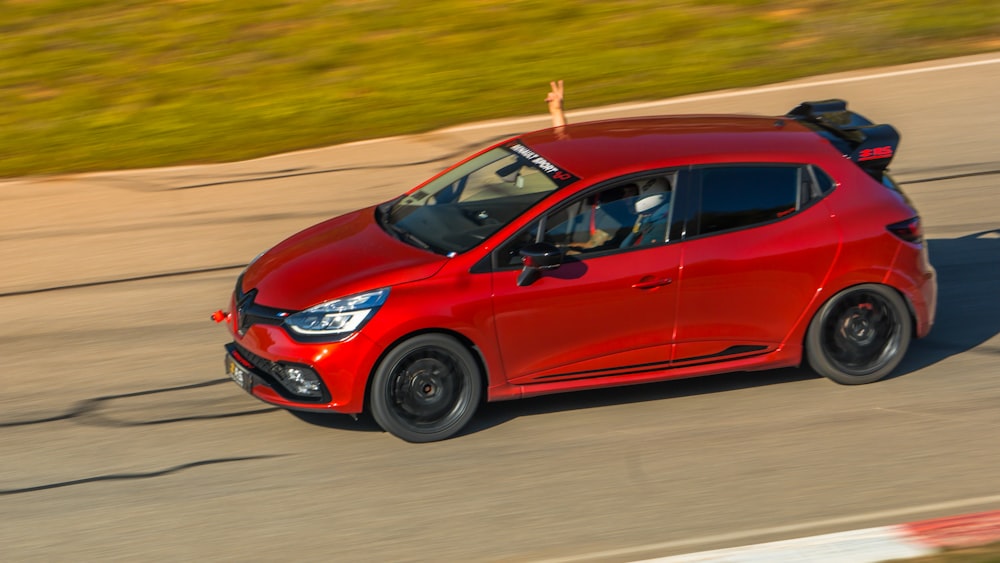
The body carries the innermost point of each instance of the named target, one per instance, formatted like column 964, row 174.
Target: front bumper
column 259, row 361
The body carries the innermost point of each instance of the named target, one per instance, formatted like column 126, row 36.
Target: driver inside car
column 652, row 209
column 605, row 218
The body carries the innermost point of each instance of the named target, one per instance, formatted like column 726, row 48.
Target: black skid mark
column 290, row 173
column 133, row 476
column 90, row 408
column 179, row 273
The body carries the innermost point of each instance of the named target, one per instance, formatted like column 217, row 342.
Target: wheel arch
column 910, row 308
column 865, row 353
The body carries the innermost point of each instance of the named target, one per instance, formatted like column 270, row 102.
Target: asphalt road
column 121, row 439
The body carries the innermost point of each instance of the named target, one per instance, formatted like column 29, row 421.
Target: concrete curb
column 868, row 545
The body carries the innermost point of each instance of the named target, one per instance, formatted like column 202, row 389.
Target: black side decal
column 658, row 366
column 731, row 351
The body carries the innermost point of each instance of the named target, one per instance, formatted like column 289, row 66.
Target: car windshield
column 458, row 210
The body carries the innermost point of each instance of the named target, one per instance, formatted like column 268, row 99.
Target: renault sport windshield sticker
column 561, row 177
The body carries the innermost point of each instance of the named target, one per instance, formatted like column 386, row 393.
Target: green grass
column 93, row 84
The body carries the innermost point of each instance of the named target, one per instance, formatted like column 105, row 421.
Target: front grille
column 249, row 313
column 262, row 364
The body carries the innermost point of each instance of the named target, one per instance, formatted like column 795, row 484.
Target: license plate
column 237, row 373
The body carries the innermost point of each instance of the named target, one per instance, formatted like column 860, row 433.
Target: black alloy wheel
column 426, row 389
column 860, row 335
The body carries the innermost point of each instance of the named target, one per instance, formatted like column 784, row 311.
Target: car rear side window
column 822, row 179
column 735, row 196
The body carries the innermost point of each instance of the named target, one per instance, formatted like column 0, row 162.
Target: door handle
column 652, row 283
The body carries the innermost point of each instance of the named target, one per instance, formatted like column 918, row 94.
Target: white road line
column 520, row 121
column 781, row 530
column 729, row 94
column 871, row 545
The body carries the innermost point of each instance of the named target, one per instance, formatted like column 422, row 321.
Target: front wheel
column 426, row 389
column 859, row 335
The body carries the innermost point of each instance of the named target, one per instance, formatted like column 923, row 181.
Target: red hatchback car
column 593, row 255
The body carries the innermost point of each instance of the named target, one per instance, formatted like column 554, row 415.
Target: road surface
column 122, row 440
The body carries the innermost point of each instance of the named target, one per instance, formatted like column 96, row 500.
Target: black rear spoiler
column 871, row 146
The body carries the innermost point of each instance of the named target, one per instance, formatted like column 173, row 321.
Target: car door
column 759, row 245
column 608, row 309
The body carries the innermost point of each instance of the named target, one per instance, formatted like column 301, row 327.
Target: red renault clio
column 593, row 255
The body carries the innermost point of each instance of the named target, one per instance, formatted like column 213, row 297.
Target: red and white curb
column 869, row 545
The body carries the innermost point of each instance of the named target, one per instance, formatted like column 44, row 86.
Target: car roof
column 621, row 145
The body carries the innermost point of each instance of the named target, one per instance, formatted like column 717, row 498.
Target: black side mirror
column 537, row 257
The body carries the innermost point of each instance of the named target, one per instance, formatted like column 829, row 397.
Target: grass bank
column 91, row 84
column 983, row 554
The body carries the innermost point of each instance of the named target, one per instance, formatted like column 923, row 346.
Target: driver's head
column 653, row 193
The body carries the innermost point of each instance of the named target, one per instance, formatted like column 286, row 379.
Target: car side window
column 621, row 216
column 736, row 196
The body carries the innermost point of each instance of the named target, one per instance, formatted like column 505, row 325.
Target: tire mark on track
column 91, row 407
column 100, row 229
column 124, row 280
column 211, row 269
column 133, row 476
column 447, row 157
column 951, row 177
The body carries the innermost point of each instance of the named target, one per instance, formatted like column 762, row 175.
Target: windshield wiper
column 412, row 238
column 400, row 233
column 404, row 235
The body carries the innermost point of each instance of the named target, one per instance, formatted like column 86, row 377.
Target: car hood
column 339, row 257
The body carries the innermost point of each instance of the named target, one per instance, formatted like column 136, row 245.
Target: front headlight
column 338, row 318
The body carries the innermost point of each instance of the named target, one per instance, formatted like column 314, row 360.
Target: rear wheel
column 426, row 389
column 860, row 335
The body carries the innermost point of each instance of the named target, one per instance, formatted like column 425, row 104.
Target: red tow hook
column 220, row 316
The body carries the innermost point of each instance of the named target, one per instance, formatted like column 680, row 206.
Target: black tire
column 860, row 335
column 426, row 389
